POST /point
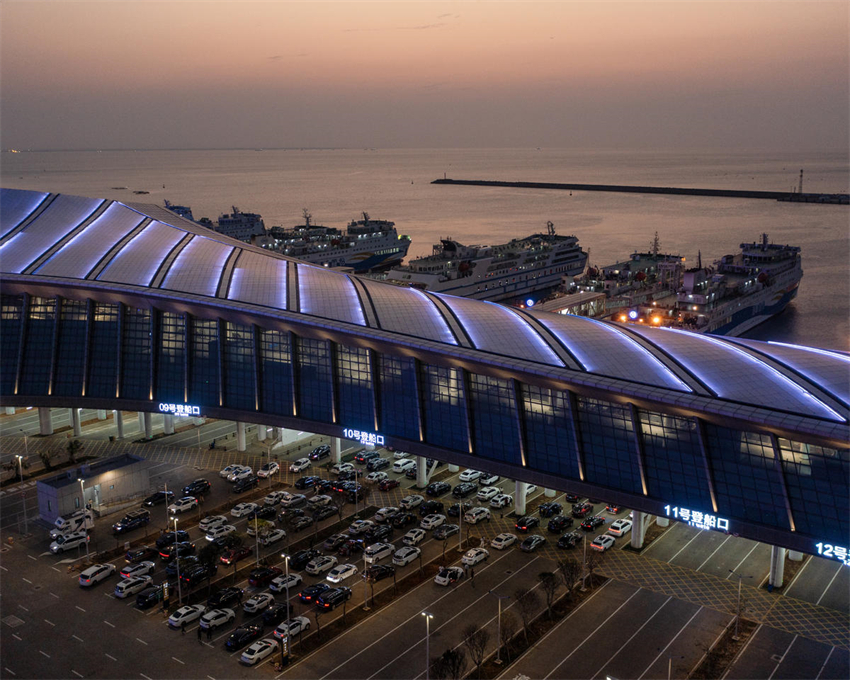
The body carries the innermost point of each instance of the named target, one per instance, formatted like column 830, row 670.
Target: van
column 68, row 541
column 75, row 521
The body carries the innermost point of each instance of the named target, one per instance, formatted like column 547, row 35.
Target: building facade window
column 136, row 354
column 354, row 380
column 103, row 364
column 275, row 373
column 239, row 367
column 171, row 362
column 549, row 436
column 203, row 362
column 445, row 407
column 38, row 346
column 399, row 403
column 315, row 389
column 494, row 419
column 11, row 309
column 71, row 349
column 608, row 444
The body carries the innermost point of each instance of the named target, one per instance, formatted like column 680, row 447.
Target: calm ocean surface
column 336, row 185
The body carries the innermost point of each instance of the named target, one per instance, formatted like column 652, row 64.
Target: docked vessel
column 522, row 269
column 240, row 225
column 182, row 210
column 365, row 245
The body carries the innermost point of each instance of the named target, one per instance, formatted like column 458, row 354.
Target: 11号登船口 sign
column 700, row 520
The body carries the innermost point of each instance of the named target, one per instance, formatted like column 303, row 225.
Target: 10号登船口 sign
column 364, row 437
column 700, row 520
column 181, row 410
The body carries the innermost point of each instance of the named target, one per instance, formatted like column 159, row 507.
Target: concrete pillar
column 75, row 421
column 662, row 521
column 119, row 423
column 550, row 493
column 421, row 472
column 795, row 556
column 336, row 449
column 45, row 421
column 168, row 423
column 240, row 437
column 101, row 414
column 10, row 410
column 777, row 566
column 453, row 468
column 148, row 425
column 261, row 433
column 519, row 498
column 199, row 421
column 141, row 421
column 639, row 523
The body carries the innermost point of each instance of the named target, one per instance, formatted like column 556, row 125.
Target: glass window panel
column 171, row 366
column 275, row 373
column 203, row 362
column 354, row 380
column 494, row 419
column 608, row 445
column 445, row 409
column 11, row 309
column 315, row 389
column 239, row 367
column 104, row 351
column 399, row 405
column 548, row 431
column 136, row 354
column 38, row 346
column 71, row 350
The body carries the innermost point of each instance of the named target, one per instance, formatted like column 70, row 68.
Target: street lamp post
column 365, row 584
column 499, row 631
column 83, row 503
column 179, row 589
column 257, row 537
column 584, row 565
column 428, row 618
column 23, row 490
column 738, row 615
column 286, row 564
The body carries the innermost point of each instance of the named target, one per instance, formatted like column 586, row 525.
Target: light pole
column 85, row 517
column 286, row 564
column 23, row 490
column 499, row 633
column 738, row 615
column 177, row 550
column 428, row 618
column 584, row 565
column 365, row 583
column 257, row 536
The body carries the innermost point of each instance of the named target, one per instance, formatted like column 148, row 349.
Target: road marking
column 9, row 670
column 714, row 551
column 108, row 624
column 49, row 623
column 831, row 650
column 32, row 558
column 687, row 623
column 178, row 660
column 742, row 561
column 57, row 570
column 145, row 676
column 55, row 595
column 670, row 561
column 24, row 608
column 75, row 673
column 837, row 571
column 110, row 656
column 142, row 641
column 27, row 580
column 17, row 638
column 76, row 638
column 782, row 658
column 80, row 608
column 4, row 569
column 44, row 653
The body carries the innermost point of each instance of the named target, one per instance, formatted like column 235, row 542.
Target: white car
column 602, row 542
column 244, row 473
column 187, row 614
column 432, row 521
column 275, row 497
column 321, row 564
column 273, row 537
column 131, row 586
column 293, row 500
column 300, row 465
column 501, row 501
column 360, row 526
column 219, row 531
column 385, row 513
column 217, row 617
column 530, row 489
column 448, row 575
column 341, row 572
column 412, row 501
column 404, row 465
column 95, row 574
column 474, row 556
column 243, row 509
column 476, row 515
column 258, row 651
column 258, row 603
column 140, row 569
column 488, row 492
column 211, row 522
column 620, row 527
column 182, row 505
column 377, row 551
column 487, row 479
column 503, row 541
column 69, row 541
column 406, row 555
column 229, row 470
column 413, row 536
column 280, row 583
column 398, row 455
column 319, row 501
column 376, row 477
column 470, row 475
column 268, row 470
column 292, row 627
column 254, row 526
column 342, row 467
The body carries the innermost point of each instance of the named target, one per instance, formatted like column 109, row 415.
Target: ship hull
column 748, row 318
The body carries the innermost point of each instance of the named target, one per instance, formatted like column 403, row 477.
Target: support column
column 75, row 421
column 119, row 423
column 10, row 410
column 240, row 437
column 101, row 414
column 421, row 472
column 639, row 523
column 141, row 421
column 45, row 421
column 453, row 468
column 168, row 423
column 261, row 433
column 662, row 521
column 550, row 493
column 519, row 498
column 795, row 556
column 146, row 421
column 777, row 566
column 336, row 449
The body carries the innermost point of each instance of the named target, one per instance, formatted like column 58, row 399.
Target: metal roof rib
column 165, row 265
column 138, row 260
column 106, row 258
column 19, row 207
column 448, row 314
column 227, row 273
column 365, row 301
column 408, row 311
column 329, row 295
column 561, row 349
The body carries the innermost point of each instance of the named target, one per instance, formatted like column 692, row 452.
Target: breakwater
column 843, row 199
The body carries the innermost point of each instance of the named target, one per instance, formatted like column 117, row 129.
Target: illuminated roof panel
column 17, row 206
column 259, row 280
column 408, row 311
column 328, row 294
column 139, row 260
column 198, row 267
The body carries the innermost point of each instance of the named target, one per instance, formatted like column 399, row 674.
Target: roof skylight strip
column 442, row 325
column 794, row 387
column 825, row 352
column 532, row 333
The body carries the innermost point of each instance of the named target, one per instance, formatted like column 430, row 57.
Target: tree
column 594, row 560
column 208, row 556
column 570, row 572
column 475, row 639
column 451, row 664
column 73, row 448
column 508, row 630
column 263, row 528
column 527, row 602
column 45, row 459
column 549, row 585
column 339, row 501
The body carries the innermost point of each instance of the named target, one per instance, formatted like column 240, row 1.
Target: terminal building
column 112, row 305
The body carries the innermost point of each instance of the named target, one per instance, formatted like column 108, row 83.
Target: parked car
column 560, row 523
column 379, row 533
column 360, row 526
column 527, row 522
column 242, row 636
column 592, row 523
column 181, row 549
column 620, row 527
column 258, row 651
column 211, row 522
column 268, row 469
column 150, row 596
column 432, row 522
column 474, row 556
column 294, row 626
column 455, row 509
column 388, row 484
column 377, row 551
column 320, row 452
column 293, row 501
column 488, row 479
column 411, row 501
column 300, row 465
column 140, row 554
column 403, row 465
column 487, row 493
column 225, row 597
column 261, row 512
column 333, row 542
column 569, row 540
column 532, row 543
column 301, row 523
column 406, row 555
column 170, row 537
column 400, row 454
column 403, row 519
column 229, row 470
column 448, row 575
column 376, row 464
column 277, row 613
column 158, row 498
column 431, row 507
column 464, row 489
column 477, row 515
column 602, row 542
column 321, row 564
column 376, row 477
column 185, row 615
column 219, row 532
column 305, row 482
column 386, row 513
column 310, row 594
column 437, row 488
column 351, row 547
column 364, row 456
column 571, row 498
column 550, row 509
column 470, row 475
column 378, row 572
column 243, row 509
column 216, row 617
column 613, row 508
column 197, row 487
column 246, row 484
column 331, row 599
column 281, row 583
column 443, row 531
column 503, row 541
column 96, row 574
column 258, row 603
column 275, row 497
column 132, row 520
column 234, row 555
column 413, row 537
column 262, row 576
column 243, row 472
column 183, row 504
column 342, row 467
column 138, row 569
column 197, row 574
column 341, row 572
column 300, row 559
column 182, row 564
column 503, row 500
column 324, row 512
column 581, row 510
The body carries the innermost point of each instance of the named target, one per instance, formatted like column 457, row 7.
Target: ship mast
column 307, row 217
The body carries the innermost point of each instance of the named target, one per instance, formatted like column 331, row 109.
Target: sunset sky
column 758, row 75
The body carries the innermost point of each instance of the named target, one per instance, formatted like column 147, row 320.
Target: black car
column 333, row 597
column 430, row 462
column 140, row 554
column 550, row 509
column 531, row 543
column 172, row 537
column 356, row 495
column 158, row 498
column 323, row 485
column 365, row 456
column 277, row 613
column 290, row 512
column 569, row 540
column 443, row 531
column 197, row 487
column 185, row 564
column 403, row 519
column 558, row 524
column 320, row 452
column 301, row 523
column 463, row 489
column 592, row 522
column 312, row 593
column 226, row 597
column 333, row 542
column 523, row 524
column 353, row 546
column 182, row 549
column 411, row 472
column 455, row 509
column 324, row 512
column 581, row 510
column 150, row 596
column 431, row 508
column 198, row 573
column 381, row 532
column 376, row 464
column 262, row 576
column 571, row 498
column 243, row 635
column 378, row 572
column 306, row 482
column 132, row 520
column 263, row 512
column 350, row 475
column 437, row 488
column 300, row 559
column 220, row 544
column 246, row 484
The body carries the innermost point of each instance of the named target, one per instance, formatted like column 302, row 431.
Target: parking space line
column 50, row 623
column 77, row 638
column 829, row 585
column 75, row 673
column 145, row 676
column 142, row 641
column 17, row 638
column 4, row 569
column 55, row 569
column 24, row 608
column 687, row 623
column 34, row 559
column 44, row 653
column 54, row 595
column 831, row 650
column 731, row 571
column 108, row 624
column 9, row 670
column 178, row 660
column 27, row 580
column 714, row 551
column 110, row 656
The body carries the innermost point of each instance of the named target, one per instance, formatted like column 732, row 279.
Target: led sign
column 364, row 437
column 836, row 552
column 181, row 410
column 700, row 520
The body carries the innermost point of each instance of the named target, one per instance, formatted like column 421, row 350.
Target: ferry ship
column 524, row 269
column 365, row 245
column 240, row 225
column 182, row 210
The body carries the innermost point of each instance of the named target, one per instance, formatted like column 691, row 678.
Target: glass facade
column 38, row 347
column 399, row 403
column 171, row 359
column 353, row 367
column 550, row 444
column 136, row 354
column 203, row 362
column 71, row 349
column 315, row 383
column 445, row 407
column 11, row 310
column 239, row 367
column 608, row 443
column 495, row 428
column 275, row 373
column 103, row 361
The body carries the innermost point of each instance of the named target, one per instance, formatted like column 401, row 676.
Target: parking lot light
column 23, row 491
column 286, row 564
column 428, row 618
column 499, row 631
column 83, row 502
column 179, row 589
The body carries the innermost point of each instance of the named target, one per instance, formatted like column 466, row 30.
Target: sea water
column 336, row 185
